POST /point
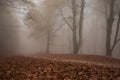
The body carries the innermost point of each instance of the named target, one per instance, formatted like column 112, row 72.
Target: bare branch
column 57, row 28
column 116, row 34
column 66, row 20
column 115, row 44
column 81, row 22
column 118, row 40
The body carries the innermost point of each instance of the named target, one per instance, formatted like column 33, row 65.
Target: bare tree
column 77, row 24
column 8, row 29
column 116, row 39
column 110, row 20
column 45, row 21
column 111, row 10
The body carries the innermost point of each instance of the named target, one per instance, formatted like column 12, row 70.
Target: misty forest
column 59, row 39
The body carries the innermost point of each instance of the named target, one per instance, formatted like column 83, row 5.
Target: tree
column 109, row 21
column 8, row 29
column 77, row 23
column 45, row 21
column 111, row 10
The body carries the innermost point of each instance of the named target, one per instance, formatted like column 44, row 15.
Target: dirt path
column 89, row 59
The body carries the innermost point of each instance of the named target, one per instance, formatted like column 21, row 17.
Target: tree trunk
column 48, row 43
column 116, row 40
column 74, row 11
column 110, row 21
column 75, row 48
column 77, row 43
column 76, row 25
column 81, row 24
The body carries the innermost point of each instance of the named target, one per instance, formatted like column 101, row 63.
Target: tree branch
column 66, row 20
column 116, row 34
column 115, row 44
column 81, row 22
column 57, row 28
column 118, row 40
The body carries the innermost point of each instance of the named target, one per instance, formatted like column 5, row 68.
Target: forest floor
column 59, row 67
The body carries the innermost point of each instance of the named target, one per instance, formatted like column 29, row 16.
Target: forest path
column 89, row 59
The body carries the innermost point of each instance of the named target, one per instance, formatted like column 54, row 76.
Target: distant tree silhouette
column 77, row 24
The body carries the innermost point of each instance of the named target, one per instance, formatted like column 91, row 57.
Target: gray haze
column 18, row 35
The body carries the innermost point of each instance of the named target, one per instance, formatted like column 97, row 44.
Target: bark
column 116, row 40
column 48, row 42
column 76, row 36
column 77, row 44
column 75, row 51
column 81, row 24
column 110, row 21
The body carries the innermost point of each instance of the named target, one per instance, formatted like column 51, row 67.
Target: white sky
column 89, row 38
column 37, row 1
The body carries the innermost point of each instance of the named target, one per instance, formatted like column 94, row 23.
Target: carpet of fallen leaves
column 25, row 68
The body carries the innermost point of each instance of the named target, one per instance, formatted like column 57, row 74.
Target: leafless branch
column 65, row 20
column 57, row 28
column 81, row 21
column 116, row 34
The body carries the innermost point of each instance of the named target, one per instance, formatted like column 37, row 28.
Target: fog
column 46, row 27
